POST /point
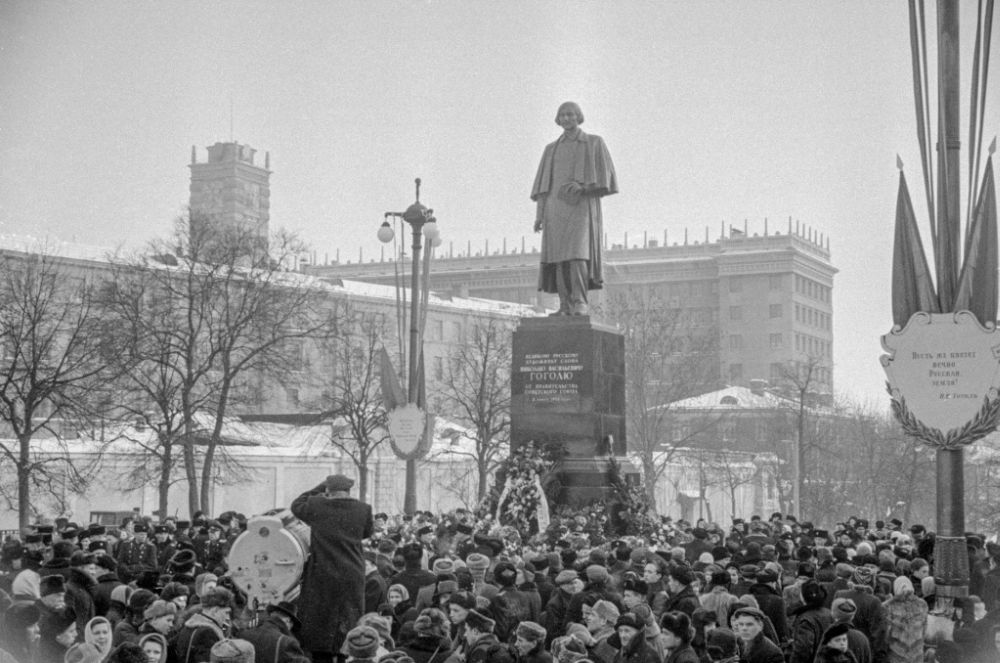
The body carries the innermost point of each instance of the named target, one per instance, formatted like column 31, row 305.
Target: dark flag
column 977, row 285
column 912, row 287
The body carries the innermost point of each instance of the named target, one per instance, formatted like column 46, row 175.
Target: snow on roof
column 76, row 251
column 732, row 398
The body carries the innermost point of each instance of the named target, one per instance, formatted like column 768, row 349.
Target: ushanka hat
column 232, row 650
column 531, row 631
column 362, row 642
column 479, row 621
column 838, row 629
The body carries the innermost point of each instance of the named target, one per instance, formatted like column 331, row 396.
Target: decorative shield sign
column 408, row 432
column 944, row 377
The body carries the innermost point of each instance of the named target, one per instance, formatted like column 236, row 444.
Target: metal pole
column 410, row 494
column 951, row 561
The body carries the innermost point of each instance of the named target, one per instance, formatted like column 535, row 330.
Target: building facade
column 769, row 296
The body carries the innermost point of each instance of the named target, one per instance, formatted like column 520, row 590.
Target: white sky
column 712, row 111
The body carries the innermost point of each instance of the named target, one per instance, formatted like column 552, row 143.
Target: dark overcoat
column 333, row 583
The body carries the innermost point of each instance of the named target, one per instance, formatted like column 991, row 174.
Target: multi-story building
column 768, row 296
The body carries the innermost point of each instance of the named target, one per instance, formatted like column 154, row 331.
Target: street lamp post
column 422, row 222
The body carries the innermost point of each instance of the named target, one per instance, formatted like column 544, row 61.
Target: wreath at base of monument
column 984, row 423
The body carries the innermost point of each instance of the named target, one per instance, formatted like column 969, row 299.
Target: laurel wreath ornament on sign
column 984, row 423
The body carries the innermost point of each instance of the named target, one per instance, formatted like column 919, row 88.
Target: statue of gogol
column 575, row 173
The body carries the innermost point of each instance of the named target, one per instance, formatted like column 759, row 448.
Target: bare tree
column 53, row 359
column 731, row 470
column 477, row 392
column 358, row 426
column 671, row 353
column 208, row 318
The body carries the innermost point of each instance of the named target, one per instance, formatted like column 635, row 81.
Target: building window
column 735, row 373
column 438, row 368
column 736, row 313
column 735, row 342
column 735, row 284
column 776, row 373
column 776, row 310
column 774, row 281
column 776, row 341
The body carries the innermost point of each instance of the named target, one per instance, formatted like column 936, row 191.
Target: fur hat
column 362, row 642
column 531, row 631
column 140, row 600
column 217, row 597
column 159, row 608
column 629, row 619
column 597, row 573
column 443, row 565
column 432, row 623
column 477, row 562
column 636, row 585
column 232, row 650
column 338, row 482
column 51, row 585
column 843, row 610
column 721, row 579
column 813, row 593
column 21, row 615
column 838, row 629
column 679, row 624
column 682, row 574
column 505, row 574
column 55, row 622
column 566, row 576
column 721, row 644
column 479, row 621
column 464, row 600
column 287, row 609
column 607, row 611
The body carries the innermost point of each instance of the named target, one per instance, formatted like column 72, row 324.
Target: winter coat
column 193, row 642
column 375, row 591
column 808, row 626
column 772, row 605
column 428, row 649
column 683, row 654
column 761, row 650
column 869, row 619
column 106, row 583
column 272, row 643
column 857, row 644
column 414, row 578
column 554, row 615
column 829, row 655
column 906, row 619
column 685, row 601
column 719, row 600
column 536, row 655
column 638, row 651
column 333, row 582
column 80, row 598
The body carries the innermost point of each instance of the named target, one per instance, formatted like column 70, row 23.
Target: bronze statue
column 575, row 172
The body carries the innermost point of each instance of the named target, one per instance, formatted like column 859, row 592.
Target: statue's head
column 573, row 106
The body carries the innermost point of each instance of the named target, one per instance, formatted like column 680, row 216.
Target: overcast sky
column 712, row 111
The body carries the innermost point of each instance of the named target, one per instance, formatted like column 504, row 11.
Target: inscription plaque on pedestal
column 568, row 389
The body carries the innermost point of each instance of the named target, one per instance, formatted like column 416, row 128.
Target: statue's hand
column 538, row 225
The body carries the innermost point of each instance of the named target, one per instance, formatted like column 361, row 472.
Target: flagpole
column 951, row 562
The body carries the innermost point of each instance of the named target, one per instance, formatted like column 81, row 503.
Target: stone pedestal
column 568, row 390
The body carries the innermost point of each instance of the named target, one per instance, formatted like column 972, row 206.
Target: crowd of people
column 460, row 588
